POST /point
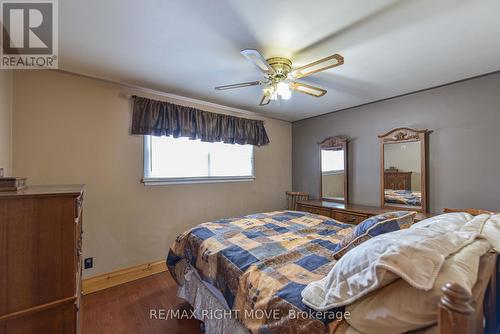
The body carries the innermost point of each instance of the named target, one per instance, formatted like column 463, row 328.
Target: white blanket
column 415, row 255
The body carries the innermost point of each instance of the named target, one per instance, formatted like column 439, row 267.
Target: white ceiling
column 187, row 47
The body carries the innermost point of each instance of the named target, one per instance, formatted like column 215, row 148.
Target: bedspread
column 261, row 263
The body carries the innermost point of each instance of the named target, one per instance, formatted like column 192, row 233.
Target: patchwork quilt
column 261, row 263
column 405, row 197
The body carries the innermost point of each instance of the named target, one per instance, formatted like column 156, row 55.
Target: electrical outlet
column 88, row 263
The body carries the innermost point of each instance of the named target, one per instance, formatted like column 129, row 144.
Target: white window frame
column 149, row 180
column 333, row 172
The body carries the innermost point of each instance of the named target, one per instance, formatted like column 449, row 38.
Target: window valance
column 160, row 118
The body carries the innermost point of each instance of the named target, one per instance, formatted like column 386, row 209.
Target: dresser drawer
column 316, row 210
column 348, row 218
column 323, row 212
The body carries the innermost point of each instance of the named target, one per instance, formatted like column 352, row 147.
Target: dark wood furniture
column 334, row 144
column 396, row 180
column 292, row 197
column 40, row 260
column 347, row 213
column 405, row 135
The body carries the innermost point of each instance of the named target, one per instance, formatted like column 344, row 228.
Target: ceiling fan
column 280, row 77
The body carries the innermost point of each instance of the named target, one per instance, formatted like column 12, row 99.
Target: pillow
column 399, row 307
column 415, row 255
column 373, row 226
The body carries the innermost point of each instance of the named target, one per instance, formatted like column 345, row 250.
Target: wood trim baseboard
column 114, row 278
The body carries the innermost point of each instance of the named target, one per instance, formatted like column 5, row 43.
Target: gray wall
column 464, row 153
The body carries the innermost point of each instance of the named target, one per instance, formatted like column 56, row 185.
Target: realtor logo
column 29, row 34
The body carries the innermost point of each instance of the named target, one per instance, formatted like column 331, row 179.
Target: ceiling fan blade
column 255, row 57
column 265, row 100
column 307, row 89
column 318, row 66
column 239, row 85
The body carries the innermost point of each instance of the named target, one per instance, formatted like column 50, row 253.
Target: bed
column 405, row 197
column 264, row 262
column 273, row 255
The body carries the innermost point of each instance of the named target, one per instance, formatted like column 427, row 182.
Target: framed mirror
column 404, row 169
column 333, row 170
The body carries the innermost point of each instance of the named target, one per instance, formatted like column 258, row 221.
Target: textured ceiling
column 187, row 47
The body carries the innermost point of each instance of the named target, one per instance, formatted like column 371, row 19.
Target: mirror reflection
column 402, row 174
column 333, row 174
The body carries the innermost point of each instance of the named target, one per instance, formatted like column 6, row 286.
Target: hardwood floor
column 126, row 308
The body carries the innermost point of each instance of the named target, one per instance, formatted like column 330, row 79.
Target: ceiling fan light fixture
column 283, row 90
column 280, row 76
column 277, row 91
column 274, row 95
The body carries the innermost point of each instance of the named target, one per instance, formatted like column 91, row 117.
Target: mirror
column 403, row 169
column 333, row 169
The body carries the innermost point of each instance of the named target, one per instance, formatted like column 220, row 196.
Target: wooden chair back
column 292, row 197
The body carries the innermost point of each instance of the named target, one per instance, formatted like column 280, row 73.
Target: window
column 170, row 160
column 332, row 161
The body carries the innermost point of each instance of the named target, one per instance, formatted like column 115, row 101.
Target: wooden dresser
column 350, row 213
column 40, row 260
column 397, row 180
